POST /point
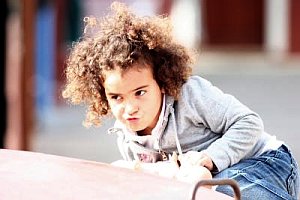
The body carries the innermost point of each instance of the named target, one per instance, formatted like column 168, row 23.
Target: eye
column 115, row 97
column 140, row 93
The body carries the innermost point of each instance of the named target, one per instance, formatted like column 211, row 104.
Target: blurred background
column 250, row 49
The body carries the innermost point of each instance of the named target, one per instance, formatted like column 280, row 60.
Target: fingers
column 186, row 172
column 194, row 158
column 193, row 174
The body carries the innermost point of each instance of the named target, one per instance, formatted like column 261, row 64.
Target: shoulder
column 196, row 82
column 197, row 85
column 203, row 91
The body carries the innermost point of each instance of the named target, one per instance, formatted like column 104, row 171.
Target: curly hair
column 121, row 39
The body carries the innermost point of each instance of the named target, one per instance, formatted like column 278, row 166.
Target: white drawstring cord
column 175, row 130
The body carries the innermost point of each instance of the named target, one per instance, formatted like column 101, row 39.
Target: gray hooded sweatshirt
column 202, row 119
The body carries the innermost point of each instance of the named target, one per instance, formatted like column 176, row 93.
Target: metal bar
column 213, row 182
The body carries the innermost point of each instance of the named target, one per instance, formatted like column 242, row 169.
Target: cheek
column 116, row 110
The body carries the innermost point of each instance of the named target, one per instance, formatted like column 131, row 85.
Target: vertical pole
column 294, row 27
column 27, row 72
column 277, row 27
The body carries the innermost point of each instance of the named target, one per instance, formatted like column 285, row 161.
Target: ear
column 162, row 90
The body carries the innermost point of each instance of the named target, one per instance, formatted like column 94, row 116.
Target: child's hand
column 194, row 158
column 192, row 174
column 163, row 168
column 186, row 172
column 194, row 166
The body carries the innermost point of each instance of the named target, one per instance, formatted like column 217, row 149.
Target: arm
column 239, row 127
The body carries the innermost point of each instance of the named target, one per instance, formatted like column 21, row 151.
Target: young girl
column 130, row 66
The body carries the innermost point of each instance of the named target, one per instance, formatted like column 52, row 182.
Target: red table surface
column 29, row 175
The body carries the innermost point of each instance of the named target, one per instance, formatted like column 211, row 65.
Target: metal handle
column 212, row 182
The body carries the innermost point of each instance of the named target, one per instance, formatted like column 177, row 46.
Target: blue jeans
column 272, row 175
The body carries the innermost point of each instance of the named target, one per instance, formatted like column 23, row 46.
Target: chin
column 136, row 129
column 141, row 131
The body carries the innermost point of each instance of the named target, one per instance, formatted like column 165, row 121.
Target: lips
column 132, row 119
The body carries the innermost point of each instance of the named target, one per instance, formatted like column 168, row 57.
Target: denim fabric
column 272, row 175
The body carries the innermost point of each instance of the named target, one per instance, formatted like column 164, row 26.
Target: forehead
column 120, row 81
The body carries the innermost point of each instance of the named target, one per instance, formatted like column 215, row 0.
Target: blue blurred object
column 45, row 70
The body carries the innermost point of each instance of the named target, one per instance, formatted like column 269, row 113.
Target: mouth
column 132, row 119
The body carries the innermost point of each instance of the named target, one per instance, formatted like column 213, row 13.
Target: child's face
column 134, row 98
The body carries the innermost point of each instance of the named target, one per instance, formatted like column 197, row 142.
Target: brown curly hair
column 119, row 40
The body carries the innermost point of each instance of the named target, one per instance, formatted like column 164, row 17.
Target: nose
column 131, row 108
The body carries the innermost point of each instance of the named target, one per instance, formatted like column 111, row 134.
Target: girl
column 131, row 67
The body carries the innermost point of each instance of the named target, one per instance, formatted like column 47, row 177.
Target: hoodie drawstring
column 175, row 131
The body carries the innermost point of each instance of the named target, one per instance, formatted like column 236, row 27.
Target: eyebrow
column 138, row 88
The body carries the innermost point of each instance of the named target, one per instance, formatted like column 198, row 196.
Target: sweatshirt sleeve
column 240, row 128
